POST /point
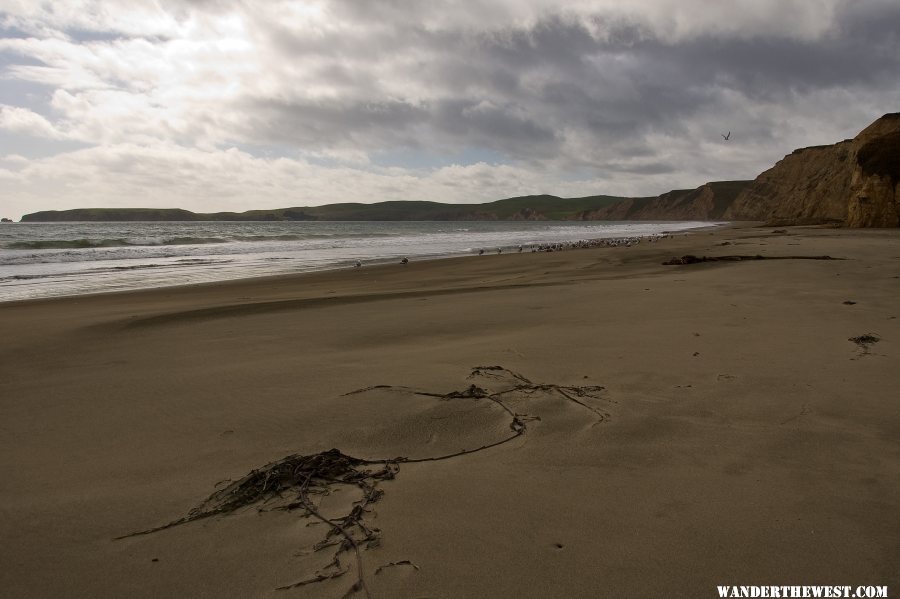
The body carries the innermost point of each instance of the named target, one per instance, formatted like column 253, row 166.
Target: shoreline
column 724, row 417
column 375, row 263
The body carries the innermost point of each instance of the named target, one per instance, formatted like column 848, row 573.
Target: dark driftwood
column 690, row 259
column 294, row 480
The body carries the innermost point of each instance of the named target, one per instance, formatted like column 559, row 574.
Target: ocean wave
column 23, row 278
column 89, row 243
column 65, row 244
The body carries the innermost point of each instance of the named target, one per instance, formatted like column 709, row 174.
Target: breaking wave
column 87, row 243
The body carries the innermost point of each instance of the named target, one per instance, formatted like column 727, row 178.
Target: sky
column 216, row 105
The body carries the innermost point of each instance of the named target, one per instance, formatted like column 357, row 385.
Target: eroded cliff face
column 528, row 214
column 810, row 184
column 616, row 211
column 875, row 181
column 697, row 204
column 707, row 202
column 853, row 182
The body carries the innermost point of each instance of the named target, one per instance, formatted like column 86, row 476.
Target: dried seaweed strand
column 295, row 478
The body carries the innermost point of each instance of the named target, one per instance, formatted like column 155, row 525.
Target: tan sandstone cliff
column 854, row 183
column 875, row 181
column 707, row 202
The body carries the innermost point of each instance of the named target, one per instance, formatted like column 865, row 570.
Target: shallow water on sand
column 57, row 259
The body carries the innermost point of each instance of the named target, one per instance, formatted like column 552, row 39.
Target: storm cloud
column 284, row 103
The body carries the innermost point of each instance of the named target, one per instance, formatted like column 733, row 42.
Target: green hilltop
column 536, row 207
column 707, row 202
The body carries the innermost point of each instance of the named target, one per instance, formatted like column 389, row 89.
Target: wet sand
column 739, row 436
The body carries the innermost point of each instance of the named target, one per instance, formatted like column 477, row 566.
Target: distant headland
column 535, row 207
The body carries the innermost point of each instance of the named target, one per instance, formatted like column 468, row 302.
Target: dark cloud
column 489, row 126
column 874, row 22
column 639, row 168
column 10, row 32
column 323, row 124
column 776, row 66
column 518, row 90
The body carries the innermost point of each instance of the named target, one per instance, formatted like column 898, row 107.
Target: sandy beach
column 670, row 427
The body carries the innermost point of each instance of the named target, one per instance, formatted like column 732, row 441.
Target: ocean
column 40, row 260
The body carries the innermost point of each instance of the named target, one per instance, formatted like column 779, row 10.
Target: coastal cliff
column 875, row 180
column 852, row 183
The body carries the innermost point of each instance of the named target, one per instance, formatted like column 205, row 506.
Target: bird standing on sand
column 726, row 137
column 404, row 261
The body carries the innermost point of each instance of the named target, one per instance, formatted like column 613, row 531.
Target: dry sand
column 740, row 437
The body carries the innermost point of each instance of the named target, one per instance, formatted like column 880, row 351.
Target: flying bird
column 726, row 137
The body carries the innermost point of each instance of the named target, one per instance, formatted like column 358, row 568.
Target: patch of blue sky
column 405, row 158
column 422, row 159
column 84, row 35
column 35, row 148
column 576, row 173
column 7, row 32
column 267, row 151
column 9, row 57
column 25, row 94
column 17, row 92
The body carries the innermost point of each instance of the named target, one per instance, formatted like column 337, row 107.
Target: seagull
column 726, row 137
column 404, row 261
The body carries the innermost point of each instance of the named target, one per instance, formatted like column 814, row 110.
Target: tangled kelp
column 292, row 483
column 865, row 342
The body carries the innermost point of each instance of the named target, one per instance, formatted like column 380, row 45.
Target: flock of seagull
column 569, row 245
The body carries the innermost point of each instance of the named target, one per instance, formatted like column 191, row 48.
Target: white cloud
column 115, row 17
column 14, row 159
column 22, row 120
